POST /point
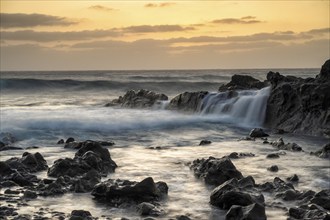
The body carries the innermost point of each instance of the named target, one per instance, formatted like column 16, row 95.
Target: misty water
column 39, row 108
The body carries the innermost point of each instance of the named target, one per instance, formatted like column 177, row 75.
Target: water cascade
column 246, row 107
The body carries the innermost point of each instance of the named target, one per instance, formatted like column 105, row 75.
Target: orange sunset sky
column 106, row 35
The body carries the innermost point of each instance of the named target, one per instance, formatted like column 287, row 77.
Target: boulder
column 242, row 82
column 231, row 193
column 205, row 142
column 118, row 192
column 257, row 133
column 138, row 99
column 187, row 101
column 61, row 141
column 273, row 168
column 215, row 171
column 324, row 152
column 91, row 156
column 300, row 105
column 80, row 215
column 254, row 211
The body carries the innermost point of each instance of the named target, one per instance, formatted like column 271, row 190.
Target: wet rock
column 118, row 192
column 7, row 211
column 187, row 101
column 300, row 105
column 310, row 212
column 90, row 156
column 205, row 142
column 146, row 208
column 242, row 82
column 9, row 191
column 277, row 186
column 80, row 215
column 324, row 152
column 69, row 140
column 322, row 199
column 258, row 133
column 138, row 99
column 254, row 211
column 28, row 194
column 273, row 156
column 182, row 217
column 279, row 144
column 215, row 171
column 230, row 193
column 61, row 141
column 273, row 168
column 293, row 178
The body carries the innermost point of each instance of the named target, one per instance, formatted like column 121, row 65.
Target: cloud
column 155, row 28
column 157, row 54
column 20, row 20
column 243, row 20
column 161, row 5
column 319, row 31
column 48, row 36
column 101, row 8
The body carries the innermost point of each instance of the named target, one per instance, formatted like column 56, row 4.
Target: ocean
column 40, row 108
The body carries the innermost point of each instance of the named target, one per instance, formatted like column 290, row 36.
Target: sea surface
column 40, row 108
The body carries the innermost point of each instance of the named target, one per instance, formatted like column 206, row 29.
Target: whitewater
column 40, row 108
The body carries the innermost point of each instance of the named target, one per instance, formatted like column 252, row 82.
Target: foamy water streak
column 243, row 107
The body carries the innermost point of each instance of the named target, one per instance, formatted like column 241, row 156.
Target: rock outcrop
column 300, row 105
column 187, row 101
column 138, row 99
column 242, row 82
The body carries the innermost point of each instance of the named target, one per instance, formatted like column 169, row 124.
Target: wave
column 19, row 85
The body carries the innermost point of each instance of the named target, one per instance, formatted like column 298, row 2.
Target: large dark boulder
column 215, row 171
column 118, row 192
column 242, row 82
column 300, row 105
column 91, row 156
column 138, row 99
column 257, row 133
column 187, row 101
column 232, row 193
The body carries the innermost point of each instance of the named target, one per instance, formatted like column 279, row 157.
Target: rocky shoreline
column 295, row 105
column 239, row 195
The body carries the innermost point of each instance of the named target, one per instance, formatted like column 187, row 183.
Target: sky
column 127, row 35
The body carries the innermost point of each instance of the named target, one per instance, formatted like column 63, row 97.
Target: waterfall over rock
column 244, row 107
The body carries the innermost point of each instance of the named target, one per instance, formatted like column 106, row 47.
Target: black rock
column 300, row 105
column 80, row 215
column 182, row 217
column 138, row 99
column 117, row 192
column 215, row 171
column 254, row 211
column 257, row 133
column 293, row 178
column 61, row 141
column 324, row 152
column 273, row 168
column 187, row 101
column 273, row 156
column 28, row 194
column 230, row 193
column 242, row 82
column 205, row 142
column 69, row 140
column 146, row 208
